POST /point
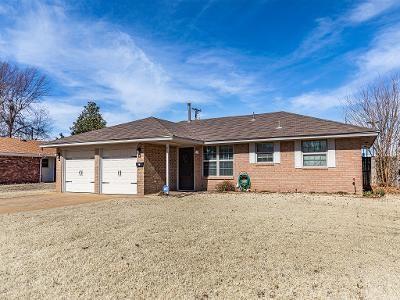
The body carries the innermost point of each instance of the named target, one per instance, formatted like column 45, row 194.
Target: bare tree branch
column 378, row 105
column 20, row 90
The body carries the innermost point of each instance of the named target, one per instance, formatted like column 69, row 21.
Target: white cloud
column 384, row 56
column 328, row 30
column 381, row 58
column 96, row 60
column 370, row 9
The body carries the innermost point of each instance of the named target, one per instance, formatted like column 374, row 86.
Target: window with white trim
column 218, row 160
column 265, row 152
column 314, row 153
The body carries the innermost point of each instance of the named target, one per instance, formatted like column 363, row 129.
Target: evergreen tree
column 89, row 119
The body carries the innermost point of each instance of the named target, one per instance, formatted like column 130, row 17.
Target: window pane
column 210, row 168
column 45, row 163
column 318, row 160
column 226, row 168
column 226, row 152
column 314, row 146
column 265, row 147
column 265, row 157
column 210, row 153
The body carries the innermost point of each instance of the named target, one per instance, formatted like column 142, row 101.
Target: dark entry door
column 366, row 173
column 186, row 169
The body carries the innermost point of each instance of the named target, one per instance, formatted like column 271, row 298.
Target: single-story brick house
column 280, row 151
column 23, row 161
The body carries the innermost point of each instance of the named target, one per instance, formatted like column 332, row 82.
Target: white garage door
column 119, row 172
column 79, row 172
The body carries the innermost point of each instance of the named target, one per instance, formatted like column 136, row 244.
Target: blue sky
column 141, row 58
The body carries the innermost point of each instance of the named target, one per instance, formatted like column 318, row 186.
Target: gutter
column 26, row 154
column 111, row 142
column 290, row 138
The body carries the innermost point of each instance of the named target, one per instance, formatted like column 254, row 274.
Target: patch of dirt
column 205, row 246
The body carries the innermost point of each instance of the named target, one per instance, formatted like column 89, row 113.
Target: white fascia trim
column 25, row 154
column 108, row 142
column 295, row 138
column 186, row 140
column 159, row 139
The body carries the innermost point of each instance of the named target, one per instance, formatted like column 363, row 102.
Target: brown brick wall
column 284, row 177
column 153, row 178
column 140, row 172
column 198, row 169
column 173, row 167
column 59, row 174
column 18, row 169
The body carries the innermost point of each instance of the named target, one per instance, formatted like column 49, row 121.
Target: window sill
column 314, row 168
column 218, row 177
column 259, row 164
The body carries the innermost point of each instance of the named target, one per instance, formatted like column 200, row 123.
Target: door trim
column 194, row 169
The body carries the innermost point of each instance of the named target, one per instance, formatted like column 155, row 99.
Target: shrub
column 379, row 192
column 225, row 186
column 376, row 193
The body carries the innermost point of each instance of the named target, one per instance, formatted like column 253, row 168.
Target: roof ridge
column 163, row 126
column 236, row 116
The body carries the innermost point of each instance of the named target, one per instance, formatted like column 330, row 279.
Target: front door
column 186, row 169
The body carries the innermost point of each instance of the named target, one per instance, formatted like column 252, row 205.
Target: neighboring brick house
column 280, row 151
column 24, row 161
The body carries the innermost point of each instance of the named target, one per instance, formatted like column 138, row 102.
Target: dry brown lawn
column 205, row 246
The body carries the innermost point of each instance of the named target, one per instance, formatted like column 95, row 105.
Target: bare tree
column 38, row 125
column 20, row 91
column 378, row 105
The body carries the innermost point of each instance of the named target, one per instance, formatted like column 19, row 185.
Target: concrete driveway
column 17, row 201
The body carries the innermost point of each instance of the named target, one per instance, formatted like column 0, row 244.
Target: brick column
column 140, row 171
column 59, row 171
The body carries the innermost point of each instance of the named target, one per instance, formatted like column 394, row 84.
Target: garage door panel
column 78, row 187
column 119, row 176
column 123, row 188
column 79, row 175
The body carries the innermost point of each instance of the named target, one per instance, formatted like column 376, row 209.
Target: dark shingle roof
column 268, row 125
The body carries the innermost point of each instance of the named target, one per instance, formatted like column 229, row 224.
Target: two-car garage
column 117, row 171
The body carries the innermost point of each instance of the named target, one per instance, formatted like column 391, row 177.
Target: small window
column 314, row 153
column 45, row 163
column 265, row 152
column 218, row 160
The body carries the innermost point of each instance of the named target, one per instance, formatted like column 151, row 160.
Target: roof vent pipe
column 189, row 111
column 253, row 117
